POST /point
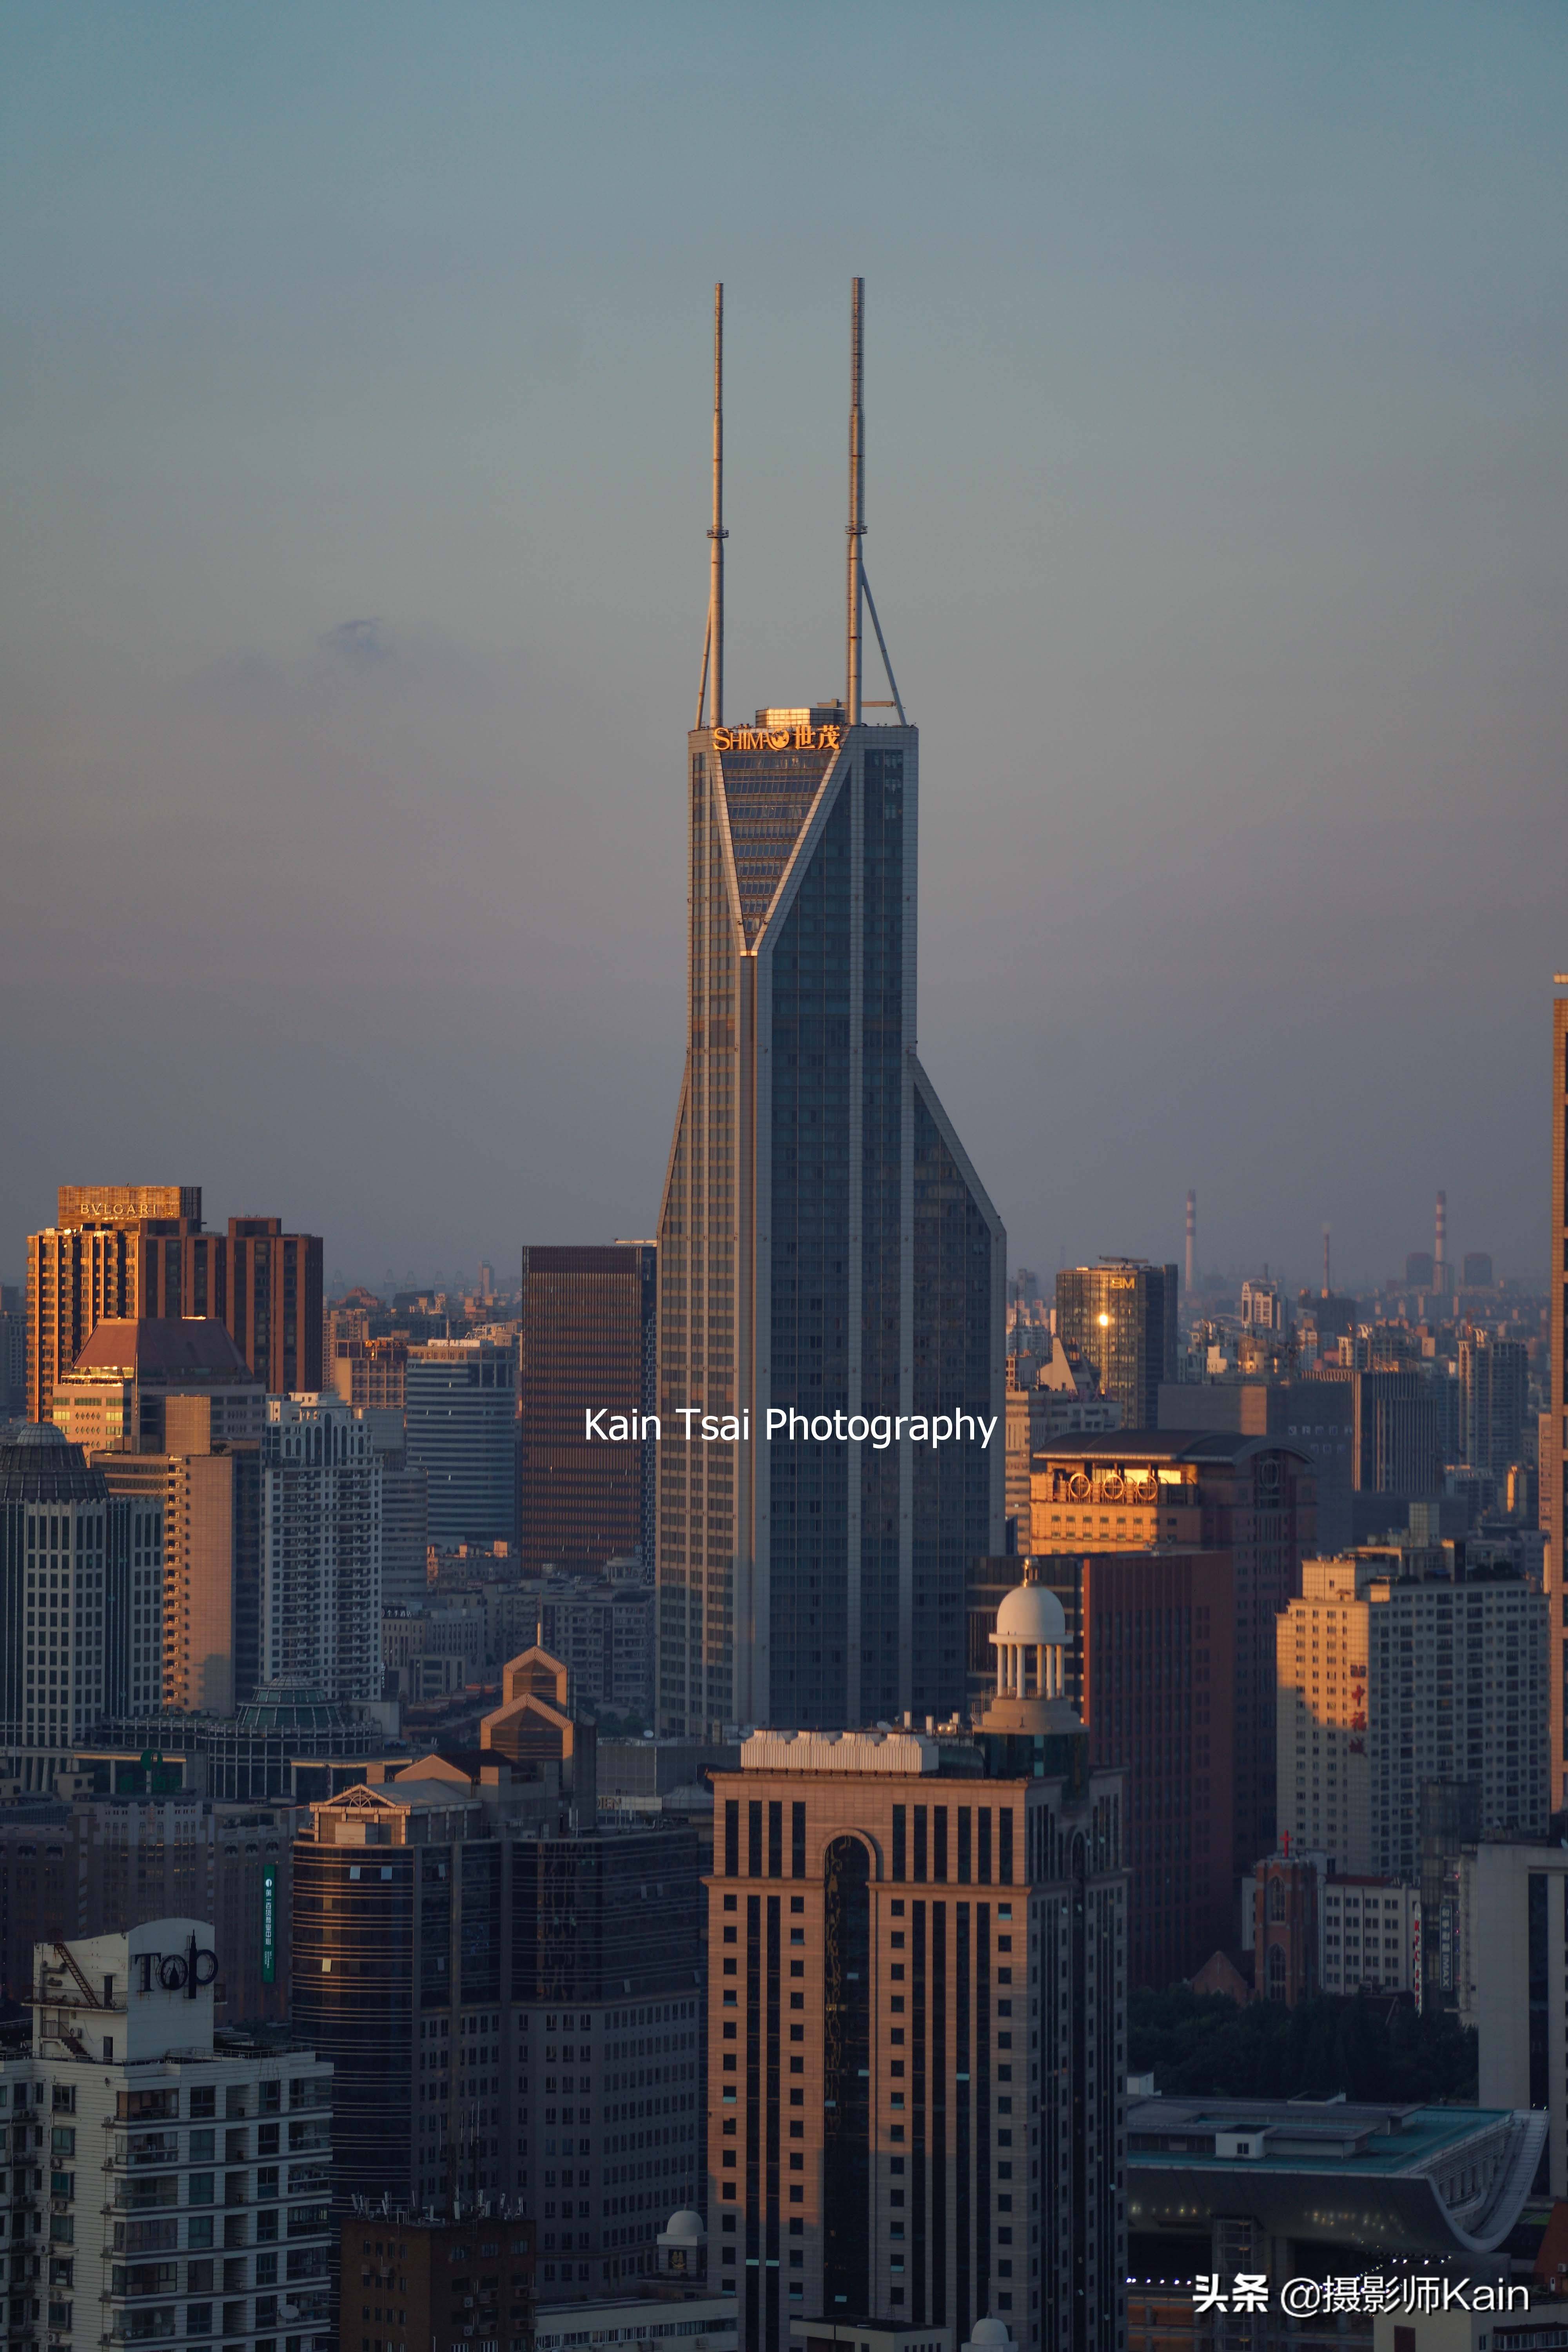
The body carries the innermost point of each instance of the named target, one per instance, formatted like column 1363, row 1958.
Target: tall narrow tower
column 1440, row 1246
column 825, row 1248
column 1192, row 1281
column 1554, row 1430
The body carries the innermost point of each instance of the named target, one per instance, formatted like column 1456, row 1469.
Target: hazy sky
column 354, row 408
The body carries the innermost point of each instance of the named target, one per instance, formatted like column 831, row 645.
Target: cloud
column 360, row 663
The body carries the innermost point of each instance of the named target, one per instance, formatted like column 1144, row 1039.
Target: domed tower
column 991, row 2335
column 1029, row 1729
column 683, row 2248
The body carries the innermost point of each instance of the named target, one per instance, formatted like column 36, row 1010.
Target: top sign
column 804, row 738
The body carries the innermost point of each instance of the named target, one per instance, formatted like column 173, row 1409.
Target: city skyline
column 366, row 562
column 905, row 1694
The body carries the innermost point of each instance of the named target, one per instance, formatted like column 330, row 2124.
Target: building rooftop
column 1167, row 1446
column 882, row 1750
column 39, row 1464
column 1387, row 2177
column 290, row 1708
column 163, row 1349
column 665, row 2309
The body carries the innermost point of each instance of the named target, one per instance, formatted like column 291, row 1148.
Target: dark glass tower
column 825, row 1246
column 1120, row 1317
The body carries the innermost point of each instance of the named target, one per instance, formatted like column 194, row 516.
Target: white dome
column 685, row 2228
column 995, row 2331
column 1031, row 1615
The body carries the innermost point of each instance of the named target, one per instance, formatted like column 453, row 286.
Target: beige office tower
column 825, row 1248
column 917, row 1994
column 171, row 1412
column 1325, row 1771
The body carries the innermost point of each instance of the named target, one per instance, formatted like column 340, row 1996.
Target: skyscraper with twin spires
column 825, row 1244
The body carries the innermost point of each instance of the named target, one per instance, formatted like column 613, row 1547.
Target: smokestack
column 1327, row 1286
column 1440, row 1246
column 1191, row 1242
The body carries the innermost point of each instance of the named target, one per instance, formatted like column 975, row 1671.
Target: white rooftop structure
column 882, row 1750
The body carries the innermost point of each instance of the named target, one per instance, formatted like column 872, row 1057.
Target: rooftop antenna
column 713, row 680
column 856, row 527
column 1326, row 1285
column 859, row 579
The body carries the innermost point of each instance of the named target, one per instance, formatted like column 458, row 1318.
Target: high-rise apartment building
column 461, row 1428
column 1494, row 1398
column 132, row 1251
column 602, row 1628
column 173, row 1415
column 99, row 1865
column 1148, row 1666
column 1263, row 1306
column 915, row 2038
column 369, row 1371
column 321, row 1548
column 587, row 1345
column 1396, row 1435
column 514, row 2006
column 13, row 1352
column 210, row 1660
column 1389, row 1683
column 825, row 1246
column 1120, row 1317
column 81, row 1575
column 1325, row 1767
column 188, row 2180
column 405, row 1494
column 1251, row 1497
column 405, row 1532
column 105, row 1255
column 264, row 1285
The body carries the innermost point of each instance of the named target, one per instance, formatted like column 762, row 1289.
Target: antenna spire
column 856, row 527
column 713, row 652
